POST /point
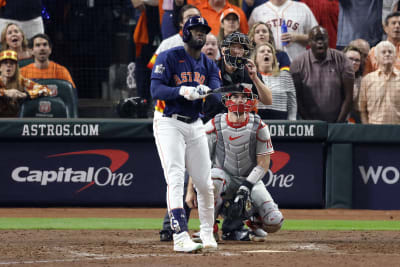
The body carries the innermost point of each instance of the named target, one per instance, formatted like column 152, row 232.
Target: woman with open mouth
column 261, row 33
column 284, row 104
column 12, row 37
column 14, row 89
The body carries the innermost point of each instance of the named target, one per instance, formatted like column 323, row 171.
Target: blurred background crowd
column 332, row 56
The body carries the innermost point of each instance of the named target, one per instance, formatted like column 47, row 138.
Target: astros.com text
column 44, row 129
column 291, row 130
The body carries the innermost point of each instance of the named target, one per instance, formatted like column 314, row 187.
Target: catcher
column 240, row 148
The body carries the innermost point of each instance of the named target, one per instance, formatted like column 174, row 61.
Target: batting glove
column 191, row 93
column 203, row 90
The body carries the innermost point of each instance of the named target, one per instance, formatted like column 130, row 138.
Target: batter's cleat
column 256, row 234
column 183, row 243
column 196, row 236
column 208, row 241
column 237, row 235
column 166, row 235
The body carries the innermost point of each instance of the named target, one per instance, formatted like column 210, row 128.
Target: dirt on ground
column 143, row 248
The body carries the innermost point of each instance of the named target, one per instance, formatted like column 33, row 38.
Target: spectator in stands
column 14, row 88
column 237, row 67
column 298, row 18
column 230, row 22
column 261, row 33
column 12, row 37
column 212, row 10
column 284, row 105
column 324, row 80
column 388, row 7
column 145, row 48
column 359, row 19
column 167, row 21
column 326, row 13
column 392, row 29
column 26, row 14
column 380, row 90
column 211, row 47
column 354, row 55
column 249, row 5
column 43, row 67
column 364, row 48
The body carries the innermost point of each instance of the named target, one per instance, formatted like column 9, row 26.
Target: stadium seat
column 44, row 107
column 64, row 90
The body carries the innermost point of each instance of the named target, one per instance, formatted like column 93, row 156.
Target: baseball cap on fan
column 229, row 11
column 8, row 54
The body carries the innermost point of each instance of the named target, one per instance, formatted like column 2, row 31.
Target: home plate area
column 143, row 248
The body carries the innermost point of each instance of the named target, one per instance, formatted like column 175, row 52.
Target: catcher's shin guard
column 272, row 218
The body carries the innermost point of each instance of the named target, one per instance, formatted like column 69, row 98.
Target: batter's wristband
column 256, row 174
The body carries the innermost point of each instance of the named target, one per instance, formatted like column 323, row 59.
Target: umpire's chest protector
column 235, row 151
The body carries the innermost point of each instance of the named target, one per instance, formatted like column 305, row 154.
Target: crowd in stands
column 315, row 56
column 320, row 58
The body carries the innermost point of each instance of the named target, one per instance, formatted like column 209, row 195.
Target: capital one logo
column 103, row 176
column 388, row 175
column 279, row 160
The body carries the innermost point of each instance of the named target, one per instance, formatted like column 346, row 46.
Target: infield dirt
column 143, row 248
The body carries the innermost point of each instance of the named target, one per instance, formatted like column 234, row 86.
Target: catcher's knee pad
column 271, row 216
column 219, row 178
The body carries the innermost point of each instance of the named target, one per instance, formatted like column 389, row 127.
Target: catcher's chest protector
column 235, row 150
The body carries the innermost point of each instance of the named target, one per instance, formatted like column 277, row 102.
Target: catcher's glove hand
column 240, row 207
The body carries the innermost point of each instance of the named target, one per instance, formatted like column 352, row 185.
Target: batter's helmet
column 191, row 23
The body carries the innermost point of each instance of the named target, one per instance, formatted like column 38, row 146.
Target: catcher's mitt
column 240, row 208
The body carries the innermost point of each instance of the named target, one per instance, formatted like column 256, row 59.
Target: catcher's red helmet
column 247, row 104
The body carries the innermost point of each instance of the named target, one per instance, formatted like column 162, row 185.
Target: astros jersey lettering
column 174, row 68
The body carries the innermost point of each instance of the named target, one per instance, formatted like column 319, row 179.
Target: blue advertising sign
column 56, row 173
column 130, row 174
column 376, row 177
column 296, row 175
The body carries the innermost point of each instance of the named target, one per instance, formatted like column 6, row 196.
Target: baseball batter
column 182, row 77
column 298, row 18
column 240, row 147
column 186, row 12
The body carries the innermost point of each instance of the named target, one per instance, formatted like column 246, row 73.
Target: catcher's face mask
column 240, row 102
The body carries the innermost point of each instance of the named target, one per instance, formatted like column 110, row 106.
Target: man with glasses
column 364, row 48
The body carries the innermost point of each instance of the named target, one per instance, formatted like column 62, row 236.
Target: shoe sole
column 195, row 250
column 209, row 248
column 257, row 238
column 197, row 239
